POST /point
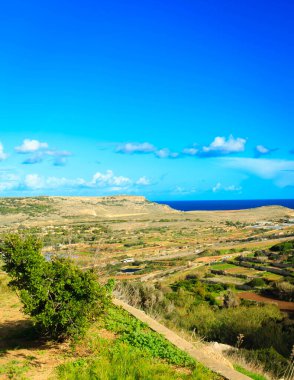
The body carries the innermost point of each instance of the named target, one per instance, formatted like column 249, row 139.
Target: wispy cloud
column 166, row 153
column 8, row 180
column 136, row 148
column 38, row 151
column 261, row 150
column 280, row 171
column 35, row 159
column 3, row 155
column 59, row 157
column 219, row 187
column 191, row 151
column 220, row 146
column 146, row 148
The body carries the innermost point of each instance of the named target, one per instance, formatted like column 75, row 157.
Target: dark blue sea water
column 227, row 205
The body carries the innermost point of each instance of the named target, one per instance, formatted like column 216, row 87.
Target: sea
column 227, row 205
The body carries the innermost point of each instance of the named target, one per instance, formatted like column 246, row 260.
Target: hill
column 46, row 210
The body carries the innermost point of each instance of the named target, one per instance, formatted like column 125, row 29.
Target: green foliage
column 60, row 298
column 30, row 206
column 282, row 290
column 272, row 361
column 144, row 296
column 256, row 283
column 199, row 290
column 15, row 369
column 122, row 361
column 157, row 346
column 250, row 374
column 136, row 333
column 283, row 247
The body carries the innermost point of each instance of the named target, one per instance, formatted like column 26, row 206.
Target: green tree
column 60, row 298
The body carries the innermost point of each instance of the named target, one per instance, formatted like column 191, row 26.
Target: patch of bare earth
column 19, row 345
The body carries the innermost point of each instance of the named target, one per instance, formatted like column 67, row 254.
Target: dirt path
column 202, row 357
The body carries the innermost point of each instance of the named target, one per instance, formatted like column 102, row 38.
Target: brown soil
column 282, row 305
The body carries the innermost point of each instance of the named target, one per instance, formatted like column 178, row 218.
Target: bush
column 60, row 298
column 283, row 247
column 271, row 360
column 256, row 283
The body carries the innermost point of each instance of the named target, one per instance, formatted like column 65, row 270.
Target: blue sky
column 167, row 99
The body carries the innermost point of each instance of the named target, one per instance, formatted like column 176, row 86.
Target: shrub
column 60, row 298
column 283, row 247
column 256, row 283
column 271, row 360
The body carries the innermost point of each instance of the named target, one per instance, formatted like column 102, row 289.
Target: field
column 282, row 305
column 182, row 264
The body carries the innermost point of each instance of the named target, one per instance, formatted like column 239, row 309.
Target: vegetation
column 135, row 353
column 32, row 207
column 60, row 298
column 122, row 361
column 187, row 305
column 105, row 352
column 283, row 247
column 136, row 333
column 270, row 359
column 93, row 234
column 250, row 374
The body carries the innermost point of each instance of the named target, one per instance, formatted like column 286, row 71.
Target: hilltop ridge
column 60, row 208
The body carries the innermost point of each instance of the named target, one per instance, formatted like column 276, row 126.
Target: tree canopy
column 60, row 298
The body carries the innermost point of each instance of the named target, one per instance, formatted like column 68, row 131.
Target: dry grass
column 237, row 359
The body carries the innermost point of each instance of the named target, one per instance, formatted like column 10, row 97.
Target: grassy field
column 223, row 266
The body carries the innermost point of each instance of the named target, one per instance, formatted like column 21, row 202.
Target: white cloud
column 145, row 148
column 166, row 153
column 34, row 181
column 262, row 149
column 31, row 146
column 109, row 179
column 143, row 181
column 38, row 151
column 3, row 155
column 222, row 146
column 130, row 148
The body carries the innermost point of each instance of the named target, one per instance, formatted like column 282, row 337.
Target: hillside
column 46, row 210
column 110, row 350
